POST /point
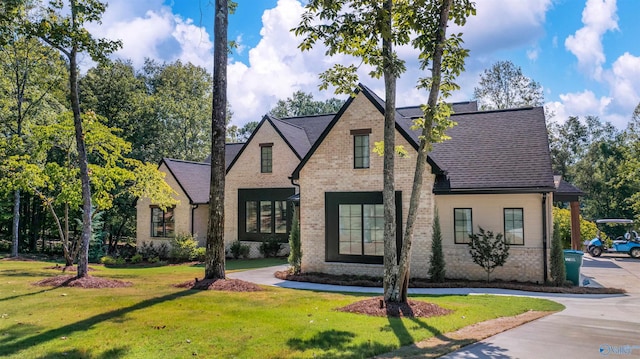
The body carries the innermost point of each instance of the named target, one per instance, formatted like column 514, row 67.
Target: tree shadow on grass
column 337, row 344
column 114, row 353
column 85, row 324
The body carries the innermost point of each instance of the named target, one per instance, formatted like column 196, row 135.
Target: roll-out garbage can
column 572, row 264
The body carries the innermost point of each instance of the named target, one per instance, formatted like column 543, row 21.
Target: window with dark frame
column 264, row 213
column 463, row 225
column 266, row 157
column 514, row 226
column 162, row 222
column 355, row 226
column 361, row 148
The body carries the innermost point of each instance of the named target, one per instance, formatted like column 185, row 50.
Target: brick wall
column 330, row 169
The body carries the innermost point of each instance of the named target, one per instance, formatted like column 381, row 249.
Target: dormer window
column 266, row 157
column 361, row 148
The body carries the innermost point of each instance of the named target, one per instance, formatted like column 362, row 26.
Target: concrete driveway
column 590, row 327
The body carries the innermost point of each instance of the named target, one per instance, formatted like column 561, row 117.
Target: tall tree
column 567, row 143
column 31, row 76
column 303, row 104
column 214, row 261
column 504, row 86
column 369, row 30
column 63, row 29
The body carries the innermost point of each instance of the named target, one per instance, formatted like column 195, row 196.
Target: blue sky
column 585, row 53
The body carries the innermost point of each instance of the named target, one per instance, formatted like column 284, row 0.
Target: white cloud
column 598, row 17
column 624, row 81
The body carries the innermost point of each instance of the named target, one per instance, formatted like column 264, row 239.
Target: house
column 494, row 172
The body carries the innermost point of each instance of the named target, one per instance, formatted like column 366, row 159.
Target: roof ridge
column 305, row 116
column 287, row 123
column 184, row 161
column 498, row 110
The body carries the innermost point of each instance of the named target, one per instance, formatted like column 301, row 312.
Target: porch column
column 575, row 225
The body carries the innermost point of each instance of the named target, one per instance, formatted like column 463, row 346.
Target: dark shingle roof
column 458, row 107
column 312, row 126
column 495, row 150
column 294, row 135
column 231, row 150
column 193, row 178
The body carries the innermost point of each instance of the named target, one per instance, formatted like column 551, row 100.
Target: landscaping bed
column 366, row 281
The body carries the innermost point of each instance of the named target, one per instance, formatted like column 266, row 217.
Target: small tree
column 436, row 265
column 558, row 271
column 295, row 252
column 488, row 250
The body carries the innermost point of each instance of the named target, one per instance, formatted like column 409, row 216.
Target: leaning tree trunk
column 83, row 258
column 16, row 222
column 423, row 149
column 214, row 262
column 390, row 279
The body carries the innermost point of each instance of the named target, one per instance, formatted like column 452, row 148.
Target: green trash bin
column 572, row 264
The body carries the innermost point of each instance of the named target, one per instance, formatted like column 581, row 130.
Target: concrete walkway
column 591, row 326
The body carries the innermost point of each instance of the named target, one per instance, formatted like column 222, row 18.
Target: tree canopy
column 303, row 104
column 504, row 86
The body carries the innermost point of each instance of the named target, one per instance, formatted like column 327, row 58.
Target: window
column 263, row 213
column 361, row 229
column 355, row 226
column 266, row 157
column 162, row 222
column 514, row 226
column 463, row 225
column 361, row 148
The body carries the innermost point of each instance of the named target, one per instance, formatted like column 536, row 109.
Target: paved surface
column 591, row 326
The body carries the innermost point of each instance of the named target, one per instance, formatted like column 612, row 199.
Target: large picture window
column 263, row 213
column 514, row 226
column 162, row 222
column 463, row 225
column 355, row 226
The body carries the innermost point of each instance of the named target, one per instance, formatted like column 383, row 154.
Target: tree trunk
column 423, row 149
column 83, row 259
column 390, row 281
column 214, row 262
column 16, row 222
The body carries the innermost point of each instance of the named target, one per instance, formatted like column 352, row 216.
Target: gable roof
column 193, row 178
column 489, row 151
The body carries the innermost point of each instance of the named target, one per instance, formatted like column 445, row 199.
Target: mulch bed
column 365, row 281
column 412, row 309
column 227, row 285
column 84, row 282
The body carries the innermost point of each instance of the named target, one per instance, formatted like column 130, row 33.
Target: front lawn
column 153, row 319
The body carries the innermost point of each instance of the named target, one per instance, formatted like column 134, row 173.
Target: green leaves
column 488, row 250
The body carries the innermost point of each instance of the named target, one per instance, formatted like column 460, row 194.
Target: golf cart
column 628, row 243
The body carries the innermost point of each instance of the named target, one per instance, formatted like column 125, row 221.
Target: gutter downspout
column 193, row 210
column 544, row 235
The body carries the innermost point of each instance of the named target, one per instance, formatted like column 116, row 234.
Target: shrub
column 488, row 251
column 108, row 260
column 558, row 271
column 137, row 258
column 155, row 259
column 436, row 265
column 200, row 254
column 271, row 247
column 295, row 252
column 121, row 261
column 239, row 250
column 562, row 217
column 183, row 247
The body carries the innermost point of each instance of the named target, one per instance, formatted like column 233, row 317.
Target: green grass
column 153, row 319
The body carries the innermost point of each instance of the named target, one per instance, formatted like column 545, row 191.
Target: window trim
column 504, row 225
column 263, row 194
column 361, row 133
column 164, row 223
column 332, row 224
column 455, row 232
column 266, row 164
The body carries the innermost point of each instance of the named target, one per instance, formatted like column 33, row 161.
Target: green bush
column 558, row 271
column 239, row 250
column 201, row 253
column 154, row 259
column 271, row 247
column 488, row 251
column 562, row 217
column 137, row 258
column 108, row 260
column 436, row 264
column 183, row 247
column 295, row 251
